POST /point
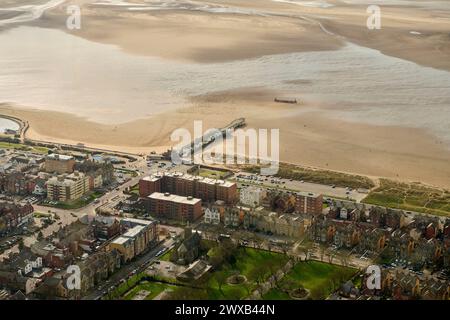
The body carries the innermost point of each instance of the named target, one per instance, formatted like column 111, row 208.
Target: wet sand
column 307, row 138
column 226, row 30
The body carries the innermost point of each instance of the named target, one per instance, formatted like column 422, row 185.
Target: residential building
column 99, row 173
column 206, row 189
column 279, row 224
column 252, row 196
column 232, row 217
column 148, row 185
column 65, row 188
column 212, row 216
column 166, row 205
column 105, row 227
column 309, row 203
column 13, row 215
column 141, row 234
column 125, row 246
column 17, row 183
column 59, row 163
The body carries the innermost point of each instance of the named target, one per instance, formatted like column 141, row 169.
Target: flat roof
column 133, row 232
column 308, row 194
column 121, row 240
column 185, row 176
column 151, row 178
column 138, row 221
column 56, row 156
column 173, row 198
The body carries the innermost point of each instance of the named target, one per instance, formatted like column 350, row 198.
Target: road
column 295, row 185
column 69, row 216
column 136, row 266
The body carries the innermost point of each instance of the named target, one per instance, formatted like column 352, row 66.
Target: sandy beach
column 361, row 111
column 378, row 151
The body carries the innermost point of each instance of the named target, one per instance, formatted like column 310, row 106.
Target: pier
column 209, row 137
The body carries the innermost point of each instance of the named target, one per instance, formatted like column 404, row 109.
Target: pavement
column 128, row 270
column 299, row 186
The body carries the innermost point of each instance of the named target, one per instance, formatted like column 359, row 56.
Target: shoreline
column 383, row 152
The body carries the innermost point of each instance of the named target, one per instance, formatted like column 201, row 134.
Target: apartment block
column 141, row 234
column 150, row 229
column 59, row 163
column 175, row 207
column 252, row 196
column 186, row 185
column 125, row 246
column 148, row 185
column 309, row 203
column 67, row 187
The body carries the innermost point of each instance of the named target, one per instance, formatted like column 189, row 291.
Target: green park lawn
column 251, row 263
column 320, row 278
column 166, row 255
column 24, row 147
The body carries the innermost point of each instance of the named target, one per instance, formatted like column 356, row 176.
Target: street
column 134, row 267
column 299, row 186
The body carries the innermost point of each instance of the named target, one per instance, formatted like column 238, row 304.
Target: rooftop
column 121, row 240
column 177, row 174
column 137, row 221
column 173, row 198
column 133, row 232
column 55, row 156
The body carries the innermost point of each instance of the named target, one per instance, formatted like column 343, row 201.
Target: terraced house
column 13, row 215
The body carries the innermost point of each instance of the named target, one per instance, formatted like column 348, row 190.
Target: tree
column 258, row 273
column 21, row 244
column 331, row 256
column 322, row 252
column 221, row 279
column 344, row 259
column 40, row 236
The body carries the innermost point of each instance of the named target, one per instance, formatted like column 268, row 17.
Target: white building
column 252, row 196
column 343, row 214
column 212, row 216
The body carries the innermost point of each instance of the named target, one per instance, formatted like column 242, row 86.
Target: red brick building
column 148, row 185
column 17, row 183
column 209, row 190
column 166, row 205
column 12, row 215
column 309, row 203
